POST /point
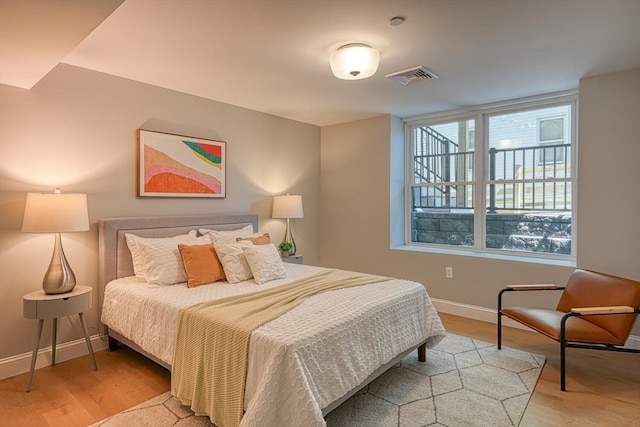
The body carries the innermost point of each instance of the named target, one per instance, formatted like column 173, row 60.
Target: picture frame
column 172, row 165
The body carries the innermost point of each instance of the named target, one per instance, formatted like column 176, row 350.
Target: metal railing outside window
column 526, row 179
column 522, row 178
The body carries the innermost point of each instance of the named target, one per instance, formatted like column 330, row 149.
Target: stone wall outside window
column 541, row 232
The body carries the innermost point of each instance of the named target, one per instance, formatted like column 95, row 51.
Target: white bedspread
column 302, row 361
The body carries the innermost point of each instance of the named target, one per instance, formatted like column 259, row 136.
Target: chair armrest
column 533, row 287
column 615, row 309
column 530, row 287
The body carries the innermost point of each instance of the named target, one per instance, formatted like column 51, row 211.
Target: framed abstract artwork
column 180, row 166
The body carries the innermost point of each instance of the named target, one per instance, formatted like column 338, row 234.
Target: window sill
column 535, row 259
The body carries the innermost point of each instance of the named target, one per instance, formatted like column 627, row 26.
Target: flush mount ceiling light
column 354, row 61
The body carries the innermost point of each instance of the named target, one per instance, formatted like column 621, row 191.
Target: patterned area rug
column 465, row 382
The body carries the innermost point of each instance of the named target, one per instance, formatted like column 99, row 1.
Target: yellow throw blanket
column 210, row 357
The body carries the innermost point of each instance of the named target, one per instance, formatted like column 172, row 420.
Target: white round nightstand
column 38, row 305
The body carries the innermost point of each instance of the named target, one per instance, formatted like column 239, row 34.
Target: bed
column 302, row 364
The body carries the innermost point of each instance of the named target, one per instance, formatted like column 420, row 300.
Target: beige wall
column 76, row 129
column 609, row 170
column 355, row 213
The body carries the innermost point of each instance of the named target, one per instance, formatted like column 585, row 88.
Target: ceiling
column 273, row 55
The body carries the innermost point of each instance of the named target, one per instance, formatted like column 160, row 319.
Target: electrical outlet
column 448, row 272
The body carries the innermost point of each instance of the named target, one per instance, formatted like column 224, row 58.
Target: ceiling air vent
column 412, row 75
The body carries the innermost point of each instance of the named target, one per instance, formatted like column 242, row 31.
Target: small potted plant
column 285, row 247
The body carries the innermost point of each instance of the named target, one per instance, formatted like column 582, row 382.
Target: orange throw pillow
column 201, row 264
column 260, row 240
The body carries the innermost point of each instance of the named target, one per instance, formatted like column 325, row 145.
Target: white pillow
column 228, row 236
column 162, row 260
column 234, row 263
column 265, row 263
column 133, row 242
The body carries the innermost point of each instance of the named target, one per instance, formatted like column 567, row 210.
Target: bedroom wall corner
column 356, row 212
column 357, row 204
column 76, row 129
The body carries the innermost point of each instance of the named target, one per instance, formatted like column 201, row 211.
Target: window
column 497, row 178
column 443, row 182
column 551, row 133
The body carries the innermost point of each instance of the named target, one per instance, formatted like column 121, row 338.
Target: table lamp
column 56, row 213
column 288, row 206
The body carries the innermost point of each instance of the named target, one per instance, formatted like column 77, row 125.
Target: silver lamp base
column 288, row 237
column 59, row 278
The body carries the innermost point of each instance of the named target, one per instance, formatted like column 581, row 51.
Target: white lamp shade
column 288, row 206
column 354, row 62
column 55, row 213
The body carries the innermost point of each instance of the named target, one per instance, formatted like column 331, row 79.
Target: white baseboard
column 19, row 364
column 489, row 315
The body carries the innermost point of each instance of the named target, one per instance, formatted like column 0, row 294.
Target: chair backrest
column 590, row 289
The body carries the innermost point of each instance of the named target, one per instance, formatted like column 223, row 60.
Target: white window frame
column 480, row 114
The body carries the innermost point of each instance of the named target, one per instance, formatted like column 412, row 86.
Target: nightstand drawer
column 38, row 305
column 293, row 259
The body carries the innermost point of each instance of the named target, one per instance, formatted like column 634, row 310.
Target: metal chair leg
column 562, row 367
column 499, row 330
column 563, row 350
column 500, row 317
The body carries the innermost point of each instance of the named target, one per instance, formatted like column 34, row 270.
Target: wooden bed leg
column 113, row 344
column 422, row 352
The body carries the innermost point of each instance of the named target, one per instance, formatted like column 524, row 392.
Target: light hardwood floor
column 603, row 388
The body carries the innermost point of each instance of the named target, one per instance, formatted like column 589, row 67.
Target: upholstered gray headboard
column 114, row 256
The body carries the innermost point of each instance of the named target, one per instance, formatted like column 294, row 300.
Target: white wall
column 77, row 129
column 355, row 213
